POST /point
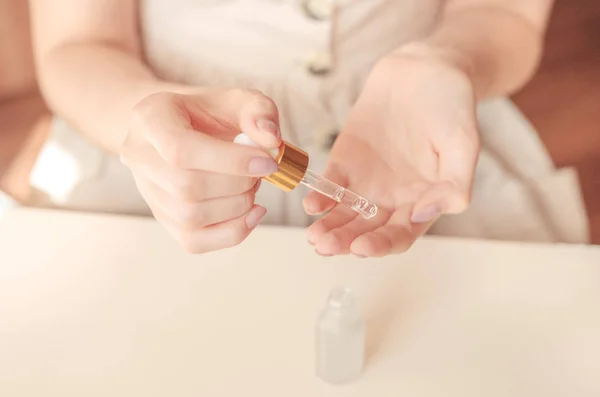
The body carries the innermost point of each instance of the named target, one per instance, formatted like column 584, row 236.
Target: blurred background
column 562, row 101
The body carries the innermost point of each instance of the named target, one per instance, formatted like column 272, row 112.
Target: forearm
column 499, row 48
column 95, row 86
column 17, row 76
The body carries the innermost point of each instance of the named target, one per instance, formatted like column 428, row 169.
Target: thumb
column 441, row 198
column 254, row 114
column 231, row 111
column 261, row 126
column 452, row 195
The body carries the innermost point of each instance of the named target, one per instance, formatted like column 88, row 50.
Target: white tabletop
column 110, row 306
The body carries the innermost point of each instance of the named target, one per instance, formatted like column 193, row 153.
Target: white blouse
column 312, row 58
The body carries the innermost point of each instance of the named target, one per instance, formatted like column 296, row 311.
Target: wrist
column 448, row 57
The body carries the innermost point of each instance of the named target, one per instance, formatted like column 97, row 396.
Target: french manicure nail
column 269, row 127
column 254, row 217
column 425, row 214
column 262, row 166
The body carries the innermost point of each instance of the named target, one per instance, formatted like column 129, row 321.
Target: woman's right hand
column 199, row 184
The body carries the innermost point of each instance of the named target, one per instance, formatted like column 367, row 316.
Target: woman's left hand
column 410, row 145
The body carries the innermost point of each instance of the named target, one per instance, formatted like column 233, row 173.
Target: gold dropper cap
column 293, row 163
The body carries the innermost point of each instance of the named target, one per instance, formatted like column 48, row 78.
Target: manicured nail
column 254, row 217
column 321, row 253
column 311, row 209
column 269, row 127
column 426, row 214
column 262, row 166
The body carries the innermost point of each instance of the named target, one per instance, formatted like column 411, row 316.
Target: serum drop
column 340, row 338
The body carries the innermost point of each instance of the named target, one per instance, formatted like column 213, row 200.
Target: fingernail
column 322, row 254
column 425, row 214
column 254, row 217
column 257, row 185
column 262, row 166
column 327, row 252
column 269, row 127
column 310, row 209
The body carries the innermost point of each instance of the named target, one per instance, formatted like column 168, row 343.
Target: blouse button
column 326, row 138
column 319, row 10
column 319, row 64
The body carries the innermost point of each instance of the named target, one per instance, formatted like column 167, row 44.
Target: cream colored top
column 111, row 306
column 312, row 57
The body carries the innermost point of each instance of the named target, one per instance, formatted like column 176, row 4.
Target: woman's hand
column 200, row 185
column 410, row 145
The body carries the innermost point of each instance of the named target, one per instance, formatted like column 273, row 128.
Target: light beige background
column 110, row 306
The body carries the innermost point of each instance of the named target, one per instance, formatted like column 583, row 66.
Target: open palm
column 410, row 145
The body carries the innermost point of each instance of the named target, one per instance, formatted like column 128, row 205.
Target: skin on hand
column 415, row 125
column 200, row 185
column 422, row 142
column 178, row 140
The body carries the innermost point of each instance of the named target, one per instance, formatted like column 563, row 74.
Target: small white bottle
column 340, row 338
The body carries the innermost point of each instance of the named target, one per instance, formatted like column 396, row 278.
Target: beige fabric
column 312, row 58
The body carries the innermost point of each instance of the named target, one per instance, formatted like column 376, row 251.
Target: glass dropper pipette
column 293, row 170
column 342, row 195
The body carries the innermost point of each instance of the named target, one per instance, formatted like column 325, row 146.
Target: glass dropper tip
column 339, row 194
